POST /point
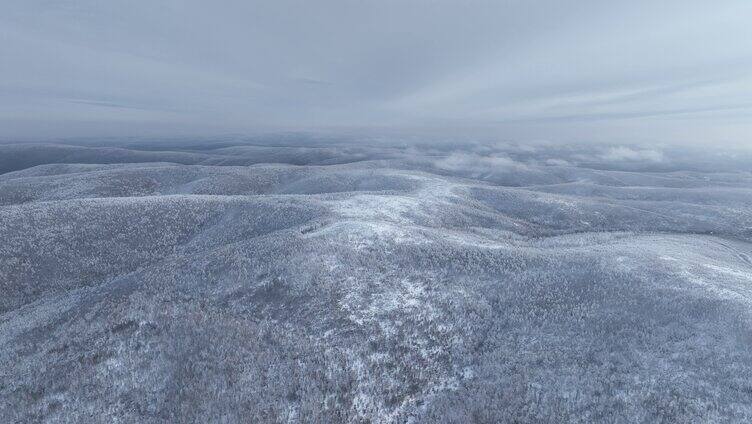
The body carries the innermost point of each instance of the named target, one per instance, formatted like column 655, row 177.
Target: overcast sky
column 615, row 71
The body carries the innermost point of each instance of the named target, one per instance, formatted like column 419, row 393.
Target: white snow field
column 353, row 283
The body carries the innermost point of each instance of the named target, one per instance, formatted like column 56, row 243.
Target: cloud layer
column 641, row 71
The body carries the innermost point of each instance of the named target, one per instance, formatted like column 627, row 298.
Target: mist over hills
column 373, row 282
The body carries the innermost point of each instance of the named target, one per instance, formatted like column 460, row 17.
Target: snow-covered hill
column 384, row 284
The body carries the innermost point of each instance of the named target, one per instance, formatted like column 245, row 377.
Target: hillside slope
column 371, row 284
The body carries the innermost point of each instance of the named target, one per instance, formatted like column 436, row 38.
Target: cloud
column 523, row 71
column 463, row 161
column 622, row 153
column 558, row 162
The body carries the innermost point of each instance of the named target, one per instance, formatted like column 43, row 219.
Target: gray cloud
column 641, row 71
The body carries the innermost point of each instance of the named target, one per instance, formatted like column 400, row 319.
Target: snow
column 369, row 283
